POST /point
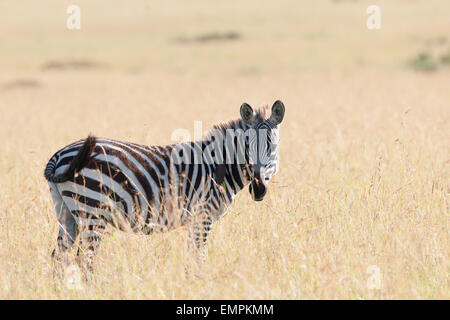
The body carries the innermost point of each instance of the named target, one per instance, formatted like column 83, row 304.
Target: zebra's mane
column 261, row 113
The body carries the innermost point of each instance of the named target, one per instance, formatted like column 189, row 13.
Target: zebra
column 144, row 189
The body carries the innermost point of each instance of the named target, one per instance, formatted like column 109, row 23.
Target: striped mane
column 262, row 114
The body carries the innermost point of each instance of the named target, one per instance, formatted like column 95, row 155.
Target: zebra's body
column 97, row 181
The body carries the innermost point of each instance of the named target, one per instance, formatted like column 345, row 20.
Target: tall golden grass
column 362, row 194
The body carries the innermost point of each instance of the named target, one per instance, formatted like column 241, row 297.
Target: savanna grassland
column 360, row 206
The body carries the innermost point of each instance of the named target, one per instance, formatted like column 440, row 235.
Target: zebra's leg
column 198, row 237
column 197, row 241
column 62, row 257
column 68, row 228
column 92, row 228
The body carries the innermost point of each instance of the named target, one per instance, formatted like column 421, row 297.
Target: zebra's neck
column 228, row 153
column 235, row 178
column 221, row 149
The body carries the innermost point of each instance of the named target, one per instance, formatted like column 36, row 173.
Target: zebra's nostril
column 257, row 189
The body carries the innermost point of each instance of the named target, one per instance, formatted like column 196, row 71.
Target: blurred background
column 238, row 38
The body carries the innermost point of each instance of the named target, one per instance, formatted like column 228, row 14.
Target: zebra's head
column 262, row 138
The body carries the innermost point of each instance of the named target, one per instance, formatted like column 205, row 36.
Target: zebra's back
column 125, row 184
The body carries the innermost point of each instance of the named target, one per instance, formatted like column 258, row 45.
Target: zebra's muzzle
column 257, row 189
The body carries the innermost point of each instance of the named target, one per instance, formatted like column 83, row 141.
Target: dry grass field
column 360, row 206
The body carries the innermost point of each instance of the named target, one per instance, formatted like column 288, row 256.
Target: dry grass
column 364, row 177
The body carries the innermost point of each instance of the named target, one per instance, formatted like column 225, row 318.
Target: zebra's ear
column 277, row 112
column 219, row 174
column 248, row 115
